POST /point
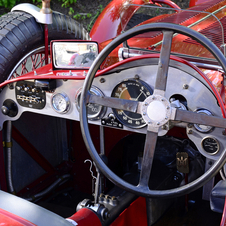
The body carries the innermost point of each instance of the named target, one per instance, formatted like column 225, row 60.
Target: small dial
column 94, row 111
column 203, row 128
column 210, row 145
column 60, row 102
column 131, row 89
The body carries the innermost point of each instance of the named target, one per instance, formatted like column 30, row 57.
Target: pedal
column 182, row 162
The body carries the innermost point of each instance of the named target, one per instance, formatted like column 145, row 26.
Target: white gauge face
column 203, row 128
column 94, row 111
column 60, row 103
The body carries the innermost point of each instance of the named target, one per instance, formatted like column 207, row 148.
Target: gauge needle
column 139, row 96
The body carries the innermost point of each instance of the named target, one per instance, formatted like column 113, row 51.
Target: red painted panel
column 136, row 209
column 196, row 2
column 9, row 219
column 86, row 217
column 108, row 24
column 223, row 219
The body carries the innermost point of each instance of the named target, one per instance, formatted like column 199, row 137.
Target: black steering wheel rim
column 139, row 190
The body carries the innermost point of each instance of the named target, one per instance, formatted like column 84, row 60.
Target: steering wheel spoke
column 148, row 156
column 164, row 59
column 196, row 118
column 117, row 103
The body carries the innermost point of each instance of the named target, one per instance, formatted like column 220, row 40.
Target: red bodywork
column 109, row 24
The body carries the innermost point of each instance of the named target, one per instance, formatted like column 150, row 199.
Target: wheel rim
column 30, row 62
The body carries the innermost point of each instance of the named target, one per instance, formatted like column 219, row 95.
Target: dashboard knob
column 26, row 88
column 5, row 110
column 19, row 87
column 9, row 108
column 34, row 90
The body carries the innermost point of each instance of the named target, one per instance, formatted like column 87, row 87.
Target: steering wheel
column 150, row 109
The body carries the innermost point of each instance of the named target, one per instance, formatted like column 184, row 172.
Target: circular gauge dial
column 94, row 111
column 60, row 102
column 203, row 128
column 210, row 145
column 131, row 89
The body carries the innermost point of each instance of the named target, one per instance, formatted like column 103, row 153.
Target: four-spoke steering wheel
column 155, row 109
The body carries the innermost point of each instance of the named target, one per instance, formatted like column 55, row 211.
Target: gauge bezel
column 66, row 98
column 197, row 127
column 95, row 91
column 217, row 142
column 142, row 83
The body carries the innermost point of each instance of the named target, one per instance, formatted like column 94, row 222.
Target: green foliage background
column 74, row 8
column 84, row 11
column 7, row 4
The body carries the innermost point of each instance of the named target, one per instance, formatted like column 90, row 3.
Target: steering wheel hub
column 156, row 110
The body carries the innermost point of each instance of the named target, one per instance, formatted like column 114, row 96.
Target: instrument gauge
column 210, row 145
column 131, row 89
column 94, row 111
column 203, row 128
column 60, row 102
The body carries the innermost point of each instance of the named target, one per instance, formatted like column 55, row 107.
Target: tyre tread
column 19, row 32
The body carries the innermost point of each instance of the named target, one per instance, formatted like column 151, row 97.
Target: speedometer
column 131, row 89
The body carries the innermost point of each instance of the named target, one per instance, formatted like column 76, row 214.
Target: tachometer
column 131, row 89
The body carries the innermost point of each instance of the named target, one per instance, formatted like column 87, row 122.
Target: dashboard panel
column 186, row 89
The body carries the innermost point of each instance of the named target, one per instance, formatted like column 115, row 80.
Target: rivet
column 185, row 86
column 189, row 131
column 102, row 80
column 137, row 76
column 11, row 86
column 158, row 123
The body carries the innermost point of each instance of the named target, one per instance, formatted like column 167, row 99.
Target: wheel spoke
column 30, row 63
column 163, row 65
column 117, row 103
column 148, row 156
column 196, row 118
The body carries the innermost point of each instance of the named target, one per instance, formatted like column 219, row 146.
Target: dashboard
column 186, row 90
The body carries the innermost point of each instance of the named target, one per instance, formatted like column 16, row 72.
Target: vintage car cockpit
column 149, row 102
